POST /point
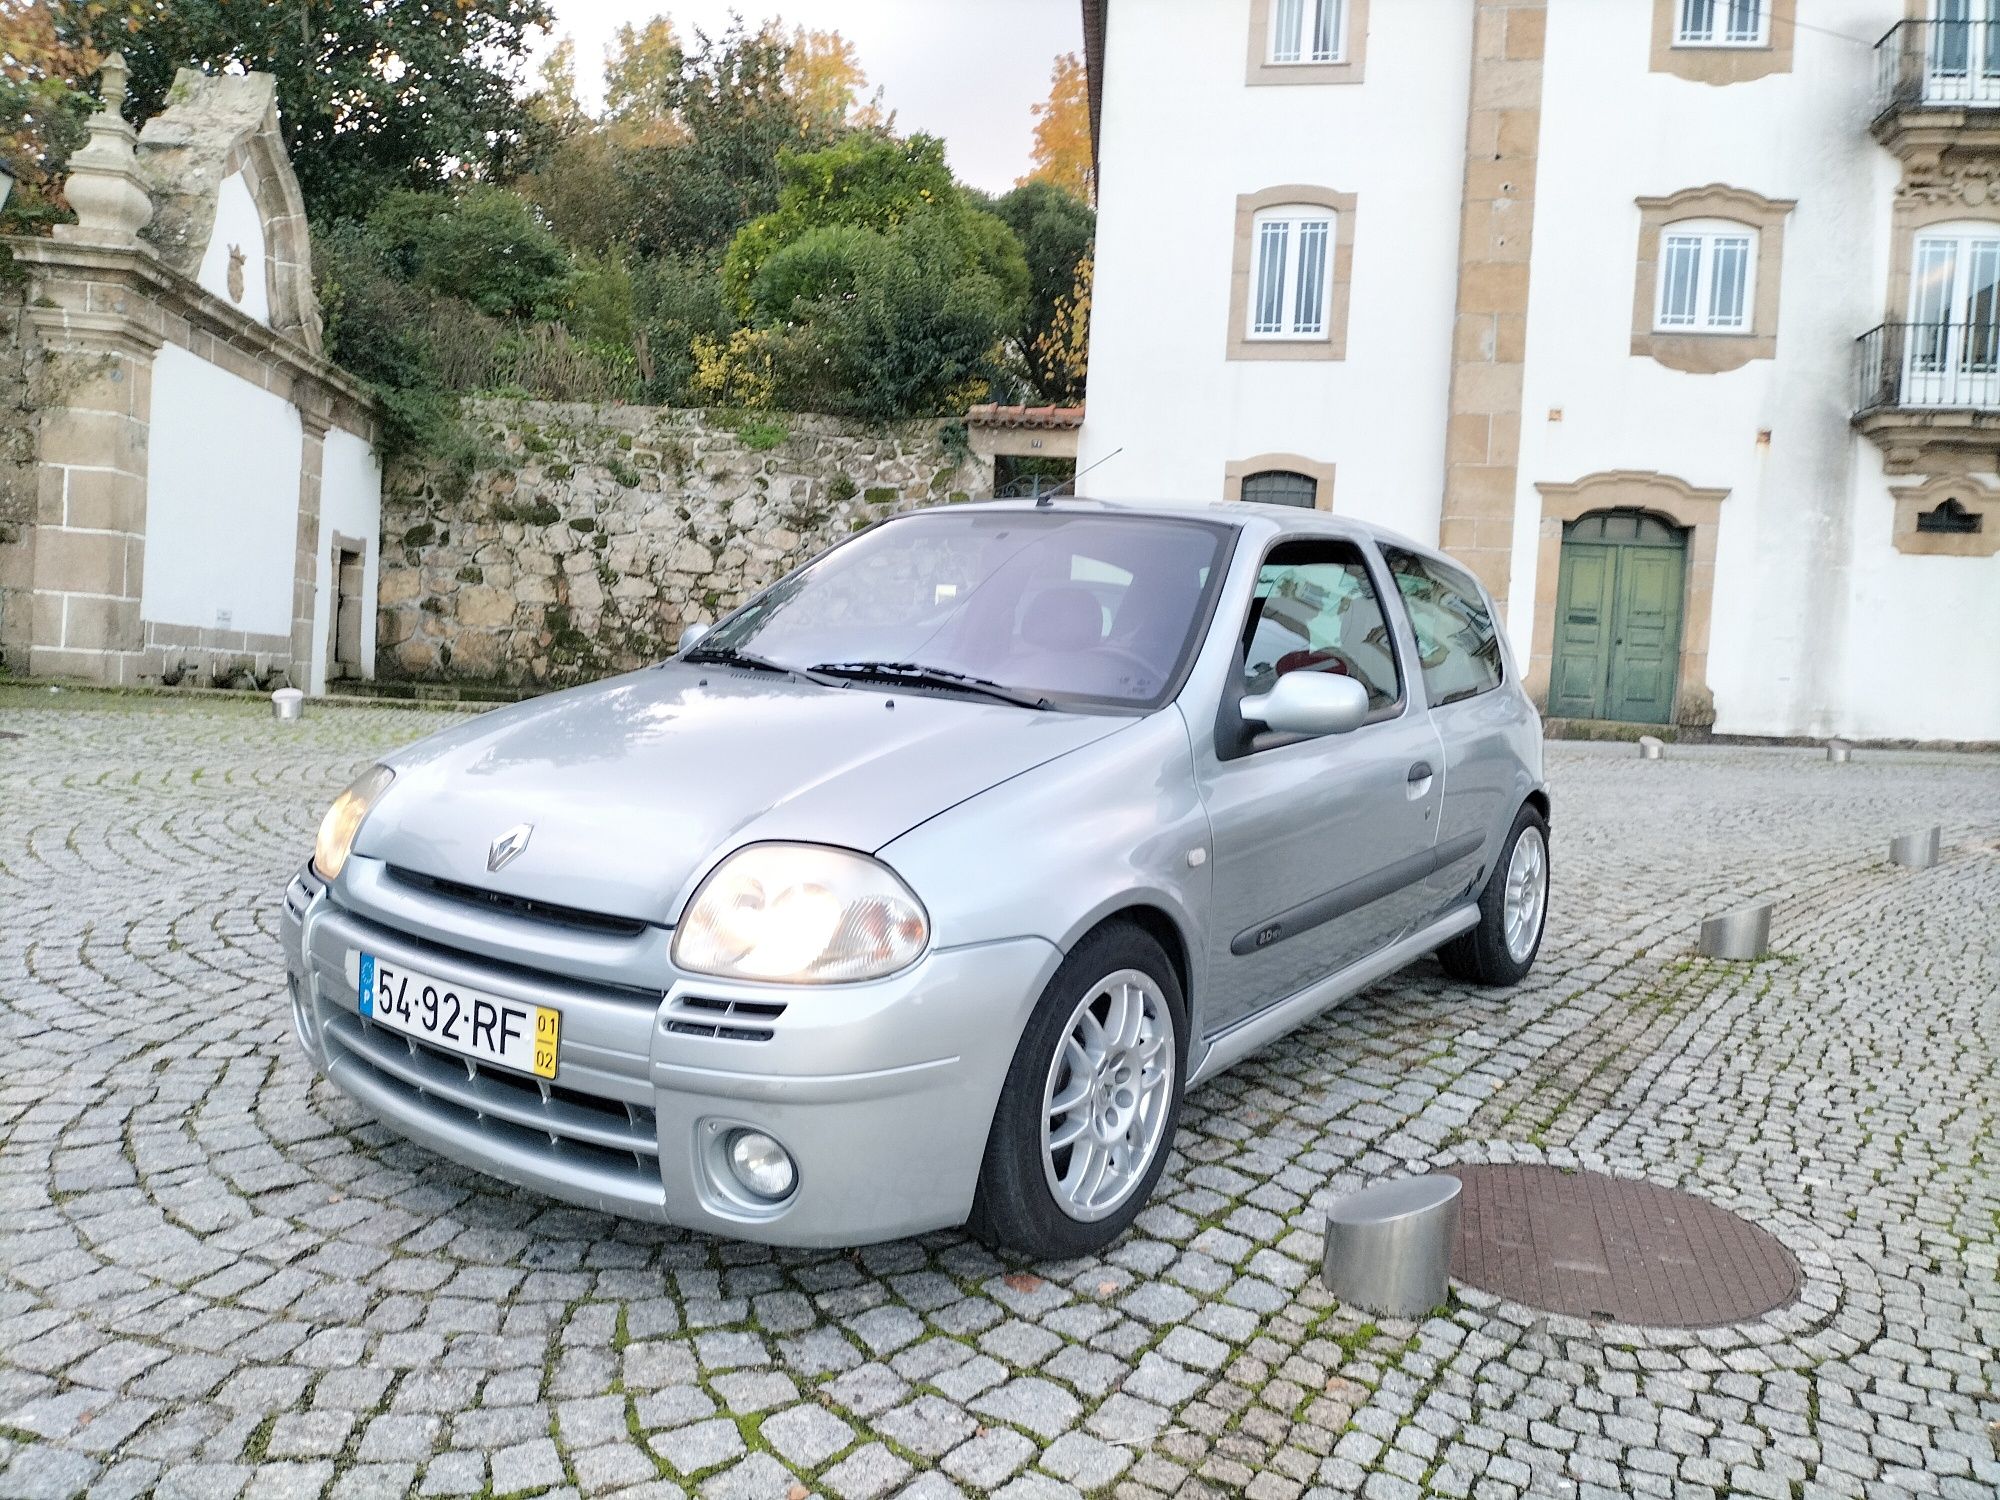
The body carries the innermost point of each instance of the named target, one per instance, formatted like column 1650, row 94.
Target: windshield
column 1075, row 609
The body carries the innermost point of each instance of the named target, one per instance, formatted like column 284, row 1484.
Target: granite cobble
column 218, row 1277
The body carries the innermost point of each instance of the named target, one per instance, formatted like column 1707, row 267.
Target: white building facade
column 1677, row 320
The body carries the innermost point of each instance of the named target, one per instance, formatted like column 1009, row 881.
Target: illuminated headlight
column 800, row 914
column 343, row 820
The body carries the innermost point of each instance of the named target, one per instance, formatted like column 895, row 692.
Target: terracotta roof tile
column 992, row 415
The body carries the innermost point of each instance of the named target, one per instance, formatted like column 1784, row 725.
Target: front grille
column 517, row 906
column 725, row 1020
column 557, row 1123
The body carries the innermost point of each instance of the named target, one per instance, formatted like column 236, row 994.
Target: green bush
column 878, row 183
column 915, row 336
column 485, row 245
column 822, row 264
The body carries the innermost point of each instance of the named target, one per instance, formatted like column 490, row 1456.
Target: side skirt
column 1227, row 1048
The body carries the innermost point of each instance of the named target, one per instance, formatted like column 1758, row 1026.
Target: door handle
column 1421, row 771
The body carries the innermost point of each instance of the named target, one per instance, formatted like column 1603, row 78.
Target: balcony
column 1937, row 89
column 1929, row 388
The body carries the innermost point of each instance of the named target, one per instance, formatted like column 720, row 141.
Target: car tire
column 1037, row 1196
column 1485, row 954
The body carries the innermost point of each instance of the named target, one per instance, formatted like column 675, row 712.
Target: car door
column 1462, row 667
column 1319, row 845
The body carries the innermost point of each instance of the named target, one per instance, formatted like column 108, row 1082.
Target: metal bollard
column 1916, row 851
column 1388, row 1247
column 1652, row 747
column 288, row 705
column 1741, row 934
column 1839, row 752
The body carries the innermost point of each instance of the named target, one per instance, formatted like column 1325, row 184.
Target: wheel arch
column 1159, row 925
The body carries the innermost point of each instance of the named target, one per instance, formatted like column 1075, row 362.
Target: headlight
column 343, row 820
column 800, row 914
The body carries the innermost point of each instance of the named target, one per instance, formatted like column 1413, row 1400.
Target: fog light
column 761, row 1165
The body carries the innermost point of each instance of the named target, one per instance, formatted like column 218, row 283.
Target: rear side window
column 1458, row 648
column 1317, row 611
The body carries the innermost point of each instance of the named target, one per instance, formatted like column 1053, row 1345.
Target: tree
column 1062, row 352
column 1055, row 231
column 554, row 111
column 825, row 77
column 45, row 57
column 734, row 113
column 373, row 95
column 642, row 73
column 1062, row 132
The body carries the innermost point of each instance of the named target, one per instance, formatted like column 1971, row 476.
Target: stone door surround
column 1696, row 511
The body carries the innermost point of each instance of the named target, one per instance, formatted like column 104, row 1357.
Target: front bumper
column 882, row 1092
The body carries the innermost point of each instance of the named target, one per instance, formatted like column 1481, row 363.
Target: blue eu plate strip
column 367, row 984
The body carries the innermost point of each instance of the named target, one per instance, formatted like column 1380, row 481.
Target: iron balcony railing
column 1947, row 64
column 1930, row 365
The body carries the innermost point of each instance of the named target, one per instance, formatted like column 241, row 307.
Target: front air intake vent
column 724, row 1020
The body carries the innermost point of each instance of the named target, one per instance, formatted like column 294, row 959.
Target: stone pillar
column 96, row 384
column 1490, row 334
column 314, row 418
column 90, row 532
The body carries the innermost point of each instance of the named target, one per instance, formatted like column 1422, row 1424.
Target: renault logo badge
column 509, row 844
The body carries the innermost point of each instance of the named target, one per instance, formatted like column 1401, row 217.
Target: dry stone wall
column 586, row 538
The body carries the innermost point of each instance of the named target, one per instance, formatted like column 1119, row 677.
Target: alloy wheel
column 1526, row 895
column 1109, row 1092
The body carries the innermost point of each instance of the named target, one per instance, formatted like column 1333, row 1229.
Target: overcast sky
column 967, row 70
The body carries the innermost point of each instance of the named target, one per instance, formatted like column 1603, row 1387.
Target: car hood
column 634, row 785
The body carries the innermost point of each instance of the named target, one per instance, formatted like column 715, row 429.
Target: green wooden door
column 1618, row 620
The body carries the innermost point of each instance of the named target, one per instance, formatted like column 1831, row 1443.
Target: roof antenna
column 1044, row 499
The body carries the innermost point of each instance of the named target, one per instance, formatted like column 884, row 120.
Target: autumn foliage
column 1062, row 132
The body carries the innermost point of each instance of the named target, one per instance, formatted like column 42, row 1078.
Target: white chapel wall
column 222, row 500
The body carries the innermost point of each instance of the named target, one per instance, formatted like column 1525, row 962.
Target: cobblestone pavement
column 218, row 1278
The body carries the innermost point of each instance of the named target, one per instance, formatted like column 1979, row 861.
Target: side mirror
column 692, row 637
column 1309, row 703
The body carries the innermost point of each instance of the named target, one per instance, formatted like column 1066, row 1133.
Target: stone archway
column 1696, row 511
column 212, row 129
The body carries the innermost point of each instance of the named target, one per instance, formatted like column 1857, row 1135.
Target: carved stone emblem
column 235, row 273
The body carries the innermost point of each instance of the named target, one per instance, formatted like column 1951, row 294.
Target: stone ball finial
column 112, row 88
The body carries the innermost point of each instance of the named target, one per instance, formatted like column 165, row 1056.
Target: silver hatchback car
column 920, row 890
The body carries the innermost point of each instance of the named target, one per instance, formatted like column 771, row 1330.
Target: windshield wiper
column 729, row 656
column 916, row 674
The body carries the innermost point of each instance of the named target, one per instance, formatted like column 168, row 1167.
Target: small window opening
column 1949, row 519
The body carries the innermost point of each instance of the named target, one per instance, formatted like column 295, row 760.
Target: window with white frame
column 1723, row 23
column 1708, row 270
column 1308, row 31
column 1291, row 273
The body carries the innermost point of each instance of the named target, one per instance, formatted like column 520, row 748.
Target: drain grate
column 1612, row 1250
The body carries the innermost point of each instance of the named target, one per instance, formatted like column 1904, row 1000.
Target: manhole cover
column 1595, row 1246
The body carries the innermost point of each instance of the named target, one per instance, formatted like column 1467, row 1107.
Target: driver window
column 1316, row 611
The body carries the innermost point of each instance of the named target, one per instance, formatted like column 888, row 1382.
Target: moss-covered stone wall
column 581, row 540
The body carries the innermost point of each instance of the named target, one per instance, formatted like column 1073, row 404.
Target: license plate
column 509, row 1033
